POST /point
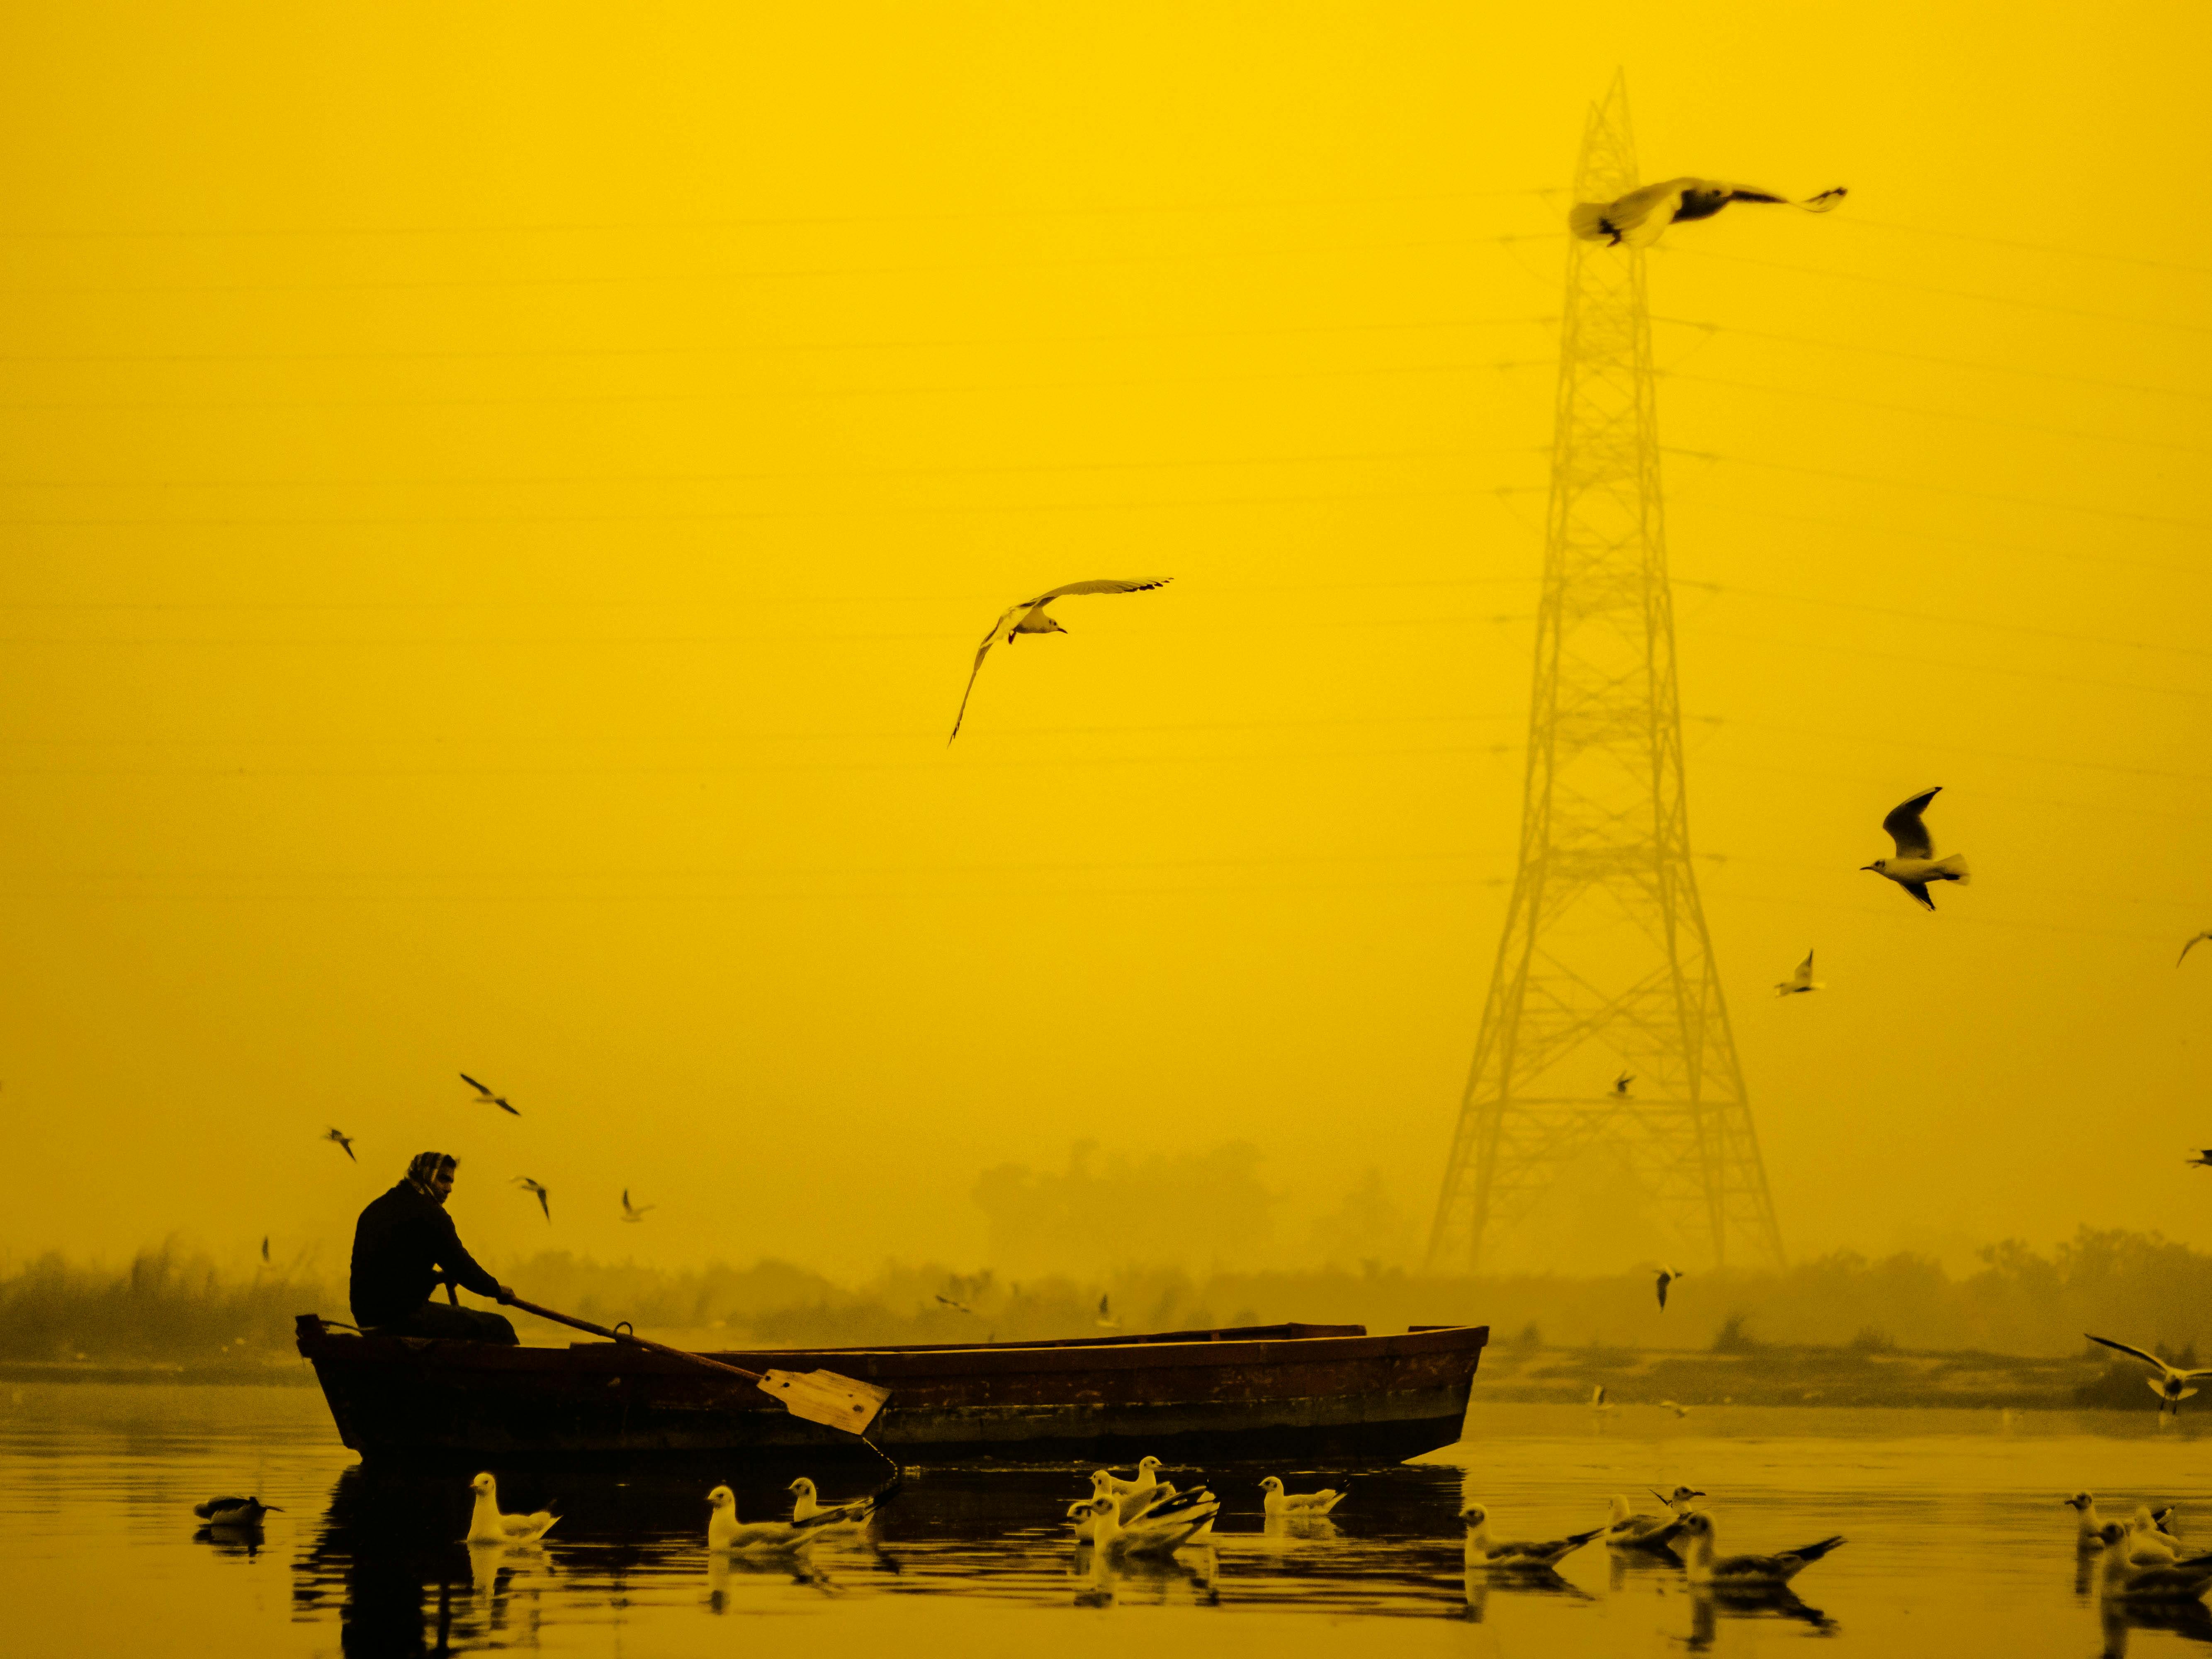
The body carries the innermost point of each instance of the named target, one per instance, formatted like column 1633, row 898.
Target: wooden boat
column 1262, row 1390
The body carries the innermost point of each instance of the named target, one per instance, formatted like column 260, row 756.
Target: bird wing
column 1101, row 585
column 982, row 651
column 1919, row 891
column 2187, row 948
column 1906, row 829
column 475, row 1086
column 1805, row 968
column 2147, row 1359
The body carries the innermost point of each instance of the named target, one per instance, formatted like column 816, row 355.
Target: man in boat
column 405, row 1246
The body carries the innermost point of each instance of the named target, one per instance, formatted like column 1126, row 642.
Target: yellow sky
column 498, row 507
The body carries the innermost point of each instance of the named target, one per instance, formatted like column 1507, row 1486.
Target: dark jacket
column 403, row 1238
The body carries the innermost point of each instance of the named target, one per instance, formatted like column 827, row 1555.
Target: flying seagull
column 630, row 1211
column 2170, row 1385
column 1638, row 219
column 2203, row 1157
column 544, row 1198
column 342, row 1139
column 1620, row 1084
column 264, row 1250
column 1029, row 617
column 1915, row 864
column 1106, row 1319
column 488, row 1096
column 1598, row 1402
column 957, row 1307
column 1801, row 980
column 1666, row 1276
column 2187, row 948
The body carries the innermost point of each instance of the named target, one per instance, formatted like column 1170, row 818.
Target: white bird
column 2148, row 1540
column 1638, row 219
column 487, row 1096
column 2187, row 948
column 488, row 1526
column 2159, row 1580
column 1675, row 1406
column 342, row 1139
column 1915, row 864
column 630, row 1211
column 1029, row 617
column 1279, row 1502
column 1515, row 1555
column 1743, row 1572
column 544, row 1197
column 1161, row 1529
column 234, row 1511
column 840, row 1517
column 2088, row 1527
column 1678, row 1501
column 1668, row 1276
column 1106, row 1321
column 2170, row 1385
column 1147, row 1476
column 725, row 1532
column 1801, row 980
column 1627, row 1530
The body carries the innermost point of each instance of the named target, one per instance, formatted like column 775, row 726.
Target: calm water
column 1959, row 1545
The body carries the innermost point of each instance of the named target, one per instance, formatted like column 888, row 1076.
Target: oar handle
column 627, row 1336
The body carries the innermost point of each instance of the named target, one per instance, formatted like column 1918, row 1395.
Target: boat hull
column 1266, row 1391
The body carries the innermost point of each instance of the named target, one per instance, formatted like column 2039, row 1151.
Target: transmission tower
column 1605, row 963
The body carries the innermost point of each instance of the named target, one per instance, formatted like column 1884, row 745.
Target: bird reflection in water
column 792, row 1567
column 231, row 1537
column 1481, row 1581
column 2190, row 1620
column 1708, row 1609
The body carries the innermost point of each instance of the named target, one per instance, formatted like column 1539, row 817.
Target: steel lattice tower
column 1605, row 958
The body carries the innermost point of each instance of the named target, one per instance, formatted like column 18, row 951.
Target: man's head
column 431, row 1174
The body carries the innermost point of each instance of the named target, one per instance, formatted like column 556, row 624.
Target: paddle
column 823, row 1397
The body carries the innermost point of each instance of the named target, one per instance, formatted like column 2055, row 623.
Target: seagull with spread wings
column 1800, row 981
column 488, row 1096
column 630, row 1211
column 543, row 1197
column 2171, row 1385
column 1639, row 219
column 2187, row 948
column 1915, row 864
column 342, row 1139
column 1030, row 617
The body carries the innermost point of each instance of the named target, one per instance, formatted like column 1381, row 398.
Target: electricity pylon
column 1605, row 963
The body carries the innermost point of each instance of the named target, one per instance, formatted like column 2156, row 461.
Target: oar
column 824, row 1397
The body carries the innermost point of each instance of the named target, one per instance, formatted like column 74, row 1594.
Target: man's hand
column 505, row 1293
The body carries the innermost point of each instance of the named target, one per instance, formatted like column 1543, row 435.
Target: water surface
column 1958, row 1545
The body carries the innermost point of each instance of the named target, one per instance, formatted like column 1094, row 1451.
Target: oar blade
column 824, row 1397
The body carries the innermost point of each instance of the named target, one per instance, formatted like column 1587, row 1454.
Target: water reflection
column 1478, row 1584
column 1708, row 1609
column 2190, row 1620
column 232, row 1537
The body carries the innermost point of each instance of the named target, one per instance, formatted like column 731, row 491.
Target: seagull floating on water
column 1160, row 1528
column 342, row 1139
column 234, row 1511
column 806, row 1506
column 1147, row 1476
column 725, row 1532
column 1627, row 1530
column 544, row 1198
column 2088, row 1527
column 487, row 1096
column 630, row 1211
column 1279, row 1502
column 1744, row 1572
column 1029, row 617
column 1915, row 864
column 1518, row 1555
column 488, row 1526
column 1668, row 1276
column 1639, row 218
column 1801, row 980
column 2170, row 1385
column 1678, row 1501
column 2162, row 1578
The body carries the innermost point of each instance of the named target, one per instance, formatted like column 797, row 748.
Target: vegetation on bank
column 168, row 1306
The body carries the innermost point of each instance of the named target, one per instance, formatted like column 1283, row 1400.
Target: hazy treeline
column 167, row 1306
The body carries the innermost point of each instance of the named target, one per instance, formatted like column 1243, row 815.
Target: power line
column 1861, row 220
column 1939, row 662
column 1943, row 490
column 798, row 395
column 1946, row 362
column 1938, row 745
column 2074, row 433
column 1950, row 293
column 755, row 348
column 752, row 222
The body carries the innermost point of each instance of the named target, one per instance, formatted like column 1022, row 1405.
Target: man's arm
column 462, row 1269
